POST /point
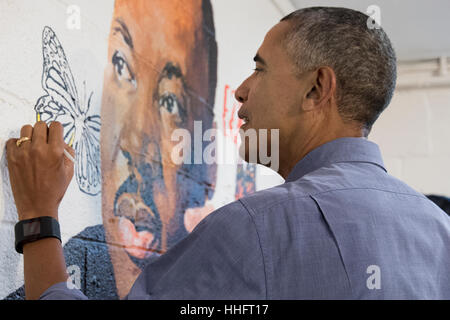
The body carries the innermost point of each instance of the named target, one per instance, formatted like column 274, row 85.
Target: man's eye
column 257, row 70
column 172, row 104
column 122, row 69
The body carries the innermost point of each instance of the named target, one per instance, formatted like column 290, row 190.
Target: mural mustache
column 140, row 226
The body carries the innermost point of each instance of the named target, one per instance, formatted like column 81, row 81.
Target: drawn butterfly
column 63, row 103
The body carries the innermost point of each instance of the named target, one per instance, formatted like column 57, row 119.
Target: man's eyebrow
column 258, row 58
column 172, row 70
column 123, row 29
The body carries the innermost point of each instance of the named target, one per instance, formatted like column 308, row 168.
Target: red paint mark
column 225, row 110
column 230, row 120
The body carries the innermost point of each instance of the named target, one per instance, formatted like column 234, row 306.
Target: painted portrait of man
column 161, row 76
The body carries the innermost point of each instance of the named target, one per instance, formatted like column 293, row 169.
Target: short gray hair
column 362, row 58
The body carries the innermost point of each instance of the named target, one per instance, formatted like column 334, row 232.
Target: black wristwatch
column 35, row 229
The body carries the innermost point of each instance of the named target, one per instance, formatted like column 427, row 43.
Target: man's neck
column 296, row 152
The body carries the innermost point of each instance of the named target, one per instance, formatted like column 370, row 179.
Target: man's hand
column 40, row 174
column 38, row 170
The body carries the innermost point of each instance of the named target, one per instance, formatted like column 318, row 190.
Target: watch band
column 35, row 229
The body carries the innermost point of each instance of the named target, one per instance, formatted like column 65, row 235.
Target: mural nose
column 126, row 207
column 131, row 206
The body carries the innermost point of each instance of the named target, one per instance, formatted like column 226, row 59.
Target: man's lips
column 137, row 244
column 245, row 124
column 139, row 227
column 135, row 225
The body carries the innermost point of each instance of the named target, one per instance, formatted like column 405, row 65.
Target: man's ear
column 321, row 88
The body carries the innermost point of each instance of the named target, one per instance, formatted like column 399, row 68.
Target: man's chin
column 137, row 244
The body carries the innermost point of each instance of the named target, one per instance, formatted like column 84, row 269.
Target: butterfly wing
column 62, row 103
column 61, row 100
column 57, row 78
column 87, row 171
column 48, row 109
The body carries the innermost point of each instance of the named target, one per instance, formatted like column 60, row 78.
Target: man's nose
column 241, row 93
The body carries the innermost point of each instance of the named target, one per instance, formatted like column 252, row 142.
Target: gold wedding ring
column 23, row 139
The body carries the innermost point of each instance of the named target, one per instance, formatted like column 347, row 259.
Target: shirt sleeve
column 220, row 259
column 61, row 291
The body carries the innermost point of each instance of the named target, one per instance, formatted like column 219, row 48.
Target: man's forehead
column 160, row 23
column 277, row 34
column 158, row 28
column 148, row 12
column 272, row 46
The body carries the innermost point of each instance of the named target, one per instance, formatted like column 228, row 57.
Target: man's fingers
column 70, row 149
column 71, row 153
column 10, row 144
column 26, row 131
column 55, row 133
column 39, row 133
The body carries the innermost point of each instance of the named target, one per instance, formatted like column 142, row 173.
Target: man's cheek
column 169, row 122
column 108, row 135
column 172, row 136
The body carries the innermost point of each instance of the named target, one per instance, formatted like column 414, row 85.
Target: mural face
column 161, row 75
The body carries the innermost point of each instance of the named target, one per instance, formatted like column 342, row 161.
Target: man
column 341, row 226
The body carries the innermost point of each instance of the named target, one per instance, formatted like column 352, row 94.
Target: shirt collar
column 348, row 149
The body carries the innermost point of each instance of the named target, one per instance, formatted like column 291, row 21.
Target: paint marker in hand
column 68, row 155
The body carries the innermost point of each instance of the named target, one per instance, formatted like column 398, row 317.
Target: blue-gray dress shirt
column 340, row 227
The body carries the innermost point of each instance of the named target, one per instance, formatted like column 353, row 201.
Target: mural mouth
column 140, row 226
column 137, row 224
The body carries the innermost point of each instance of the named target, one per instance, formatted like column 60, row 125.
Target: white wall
column 414, row 131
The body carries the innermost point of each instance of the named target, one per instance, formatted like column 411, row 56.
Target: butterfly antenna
column 84, row 92
column 89, row 102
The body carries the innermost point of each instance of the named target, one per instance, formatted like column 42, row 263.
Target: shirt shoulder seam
column 339, row 189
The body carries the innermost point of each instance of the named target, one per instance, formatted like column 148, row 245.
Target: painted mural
column 154, row 83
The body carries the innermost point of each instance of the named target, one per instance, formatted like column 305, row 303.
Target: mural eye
column 170, row 102
column 173, row 105
column 122, row 69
